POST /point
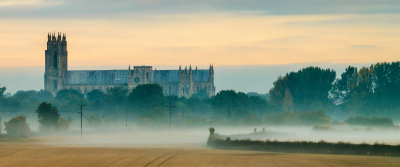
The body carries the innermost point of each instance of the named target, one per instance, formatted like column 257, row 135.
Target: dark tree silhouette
column 48, row 116
column 309, row 88
column 96, row 95
column 147, row 96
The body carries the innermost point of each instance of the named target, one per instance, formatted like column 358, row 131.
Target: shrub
column 17, row 127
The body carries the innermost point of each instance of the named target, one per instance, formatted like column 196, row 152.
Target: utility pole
column 170, row 115
column 81, row 106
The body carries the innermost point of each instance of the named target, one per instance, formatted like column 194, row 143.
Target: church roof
column 201, row 75
column 101, row 77
column 165, row 76
column 115, row 77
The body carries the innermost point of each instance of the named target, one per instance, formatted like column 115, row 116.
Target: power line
column 81, row 106
column 170, row 115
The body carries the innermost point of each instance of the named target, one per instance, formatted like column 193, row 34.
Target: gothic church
column 182, row 82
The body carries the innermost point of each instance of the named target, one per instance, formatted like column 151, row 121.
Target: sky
column 231, row 34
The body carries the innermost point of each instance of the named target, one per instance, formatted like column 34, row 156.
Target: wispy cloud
column 116, row 8
column 363, row 46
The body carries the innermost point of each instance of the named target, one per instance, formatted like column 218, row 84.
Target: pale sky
column 200, row 32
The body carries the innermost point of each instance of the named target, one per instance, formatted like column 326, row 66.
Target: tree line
column 366, row 92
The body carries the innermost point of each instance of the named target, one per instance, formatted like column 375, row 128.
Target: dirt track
column 17, row 154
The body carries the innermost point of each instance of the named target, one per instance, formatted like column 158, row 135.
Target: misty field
column 17, row 154
column 159, row 148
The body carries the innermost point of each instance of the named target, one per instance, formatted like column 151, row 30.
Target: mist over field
column 165, row 83
column 311, row 104
column 189, row 136
column 319, row 116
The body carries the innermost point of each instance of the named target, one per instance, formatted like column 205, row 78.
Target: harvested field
column 36, row 154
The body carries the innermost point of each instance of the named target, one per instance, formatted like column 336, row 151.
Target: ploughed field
column 36, row 154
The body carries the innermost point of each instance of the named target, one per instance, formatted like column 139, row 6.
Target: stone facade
column 185, row 82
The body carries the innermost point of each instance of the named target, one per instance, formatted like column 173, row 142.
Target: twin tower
column 186, row 82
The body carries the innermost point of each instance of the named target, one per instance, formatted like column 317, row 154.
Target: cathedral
column 185, row 82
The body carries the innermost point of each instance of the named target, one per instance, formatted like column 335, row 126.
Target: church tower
column 56, row 62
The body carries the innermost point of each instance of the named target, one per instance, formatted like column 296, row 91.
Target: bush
column 17, row 127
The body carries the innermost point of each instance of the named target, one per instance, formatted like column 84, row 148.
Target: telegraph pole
column 81, row 106
column 170, row 115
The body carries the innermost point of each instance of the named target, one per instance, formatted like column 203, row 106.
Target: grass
column 321, row 147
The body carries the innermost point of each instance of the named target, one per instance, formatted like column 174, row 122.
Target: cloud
column 19, row 2
column 363, row 46
column 118, row 8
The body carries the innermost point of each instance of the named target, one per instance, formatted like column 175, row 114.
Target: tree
column 386, row 82
column 258, row 105
column 309, row 88
column 67, row 99
column 146, row 97
column 2, row 90
column 288, row 102
column 236, row 105
column 373, row 90
column 96, row 95
column 48, row 116
column 343, row 86
column 68, row 94
column 224, row 102
column 31, row 98
column 362, row 92
column 117, row 96
column 17, row 127
column 97, row 100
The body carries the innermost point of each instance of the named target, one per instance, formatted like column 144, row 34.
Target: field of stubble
column 38, row 155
